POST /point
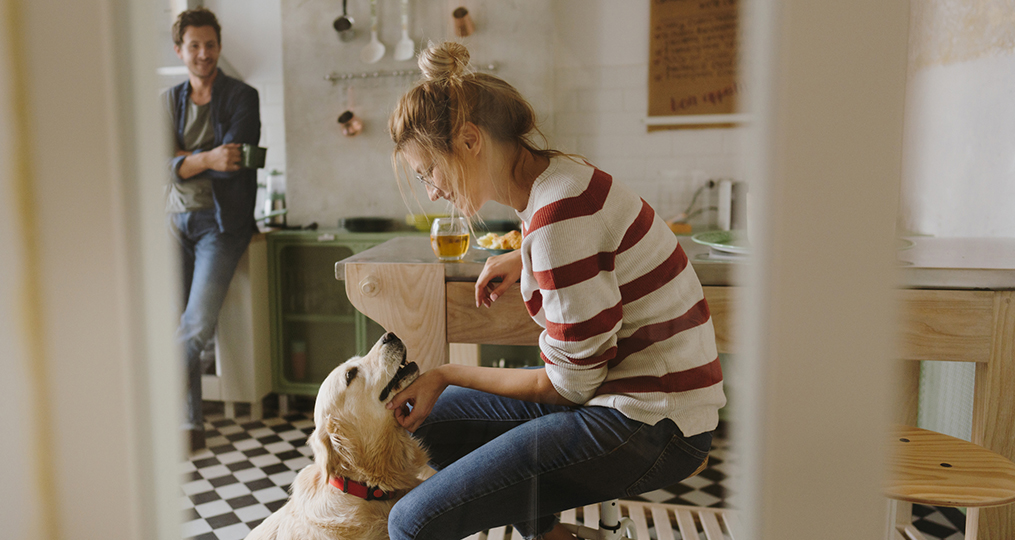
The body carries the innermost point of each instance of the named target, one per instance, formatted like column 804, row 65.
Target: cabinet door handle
column 369, row 286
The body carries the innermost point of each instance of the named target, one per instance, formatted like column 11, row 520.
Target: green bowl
column 422, row 222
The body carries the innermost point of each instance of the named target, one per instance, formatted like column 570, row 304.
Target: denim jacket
column 235, row 115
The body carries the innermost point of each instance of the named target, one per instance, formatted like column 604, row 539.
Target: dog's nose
column 389, row 338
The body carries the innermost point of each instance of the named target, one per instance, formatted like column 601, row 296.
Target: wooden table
column 957, row 304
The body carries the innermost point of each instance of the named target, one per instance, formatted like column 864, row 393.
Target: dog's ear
column 331, row 451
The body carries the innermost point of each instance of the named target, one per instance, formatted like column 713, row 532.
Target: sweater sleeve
column 573, row 267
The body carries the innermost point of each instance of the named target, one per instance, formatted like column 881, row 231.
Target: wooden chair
column 927, row 467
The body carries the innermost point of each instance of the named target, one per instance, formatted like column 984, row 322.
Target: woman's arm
column 524, row 384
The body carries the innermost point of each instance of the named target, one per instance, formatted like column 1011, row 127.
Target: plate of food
column 498, row 244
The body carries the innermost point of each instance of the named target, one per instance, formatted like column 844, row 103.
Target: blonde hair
column 430, row 116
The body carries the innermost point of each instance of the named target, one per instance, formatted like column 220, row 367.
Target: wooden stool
column 927, row 467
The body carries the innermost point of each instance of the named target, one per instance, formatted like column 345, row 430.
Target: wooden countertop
column 932, row 263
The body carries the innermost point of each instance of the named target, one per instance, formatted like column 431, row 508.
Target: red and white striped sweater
column 626, row 323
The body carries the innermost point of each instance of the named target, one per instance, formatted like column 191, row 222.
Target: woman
column 631, row 387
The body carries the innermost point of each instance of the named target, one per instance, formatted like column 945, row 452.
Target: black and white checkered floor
column 244, row 475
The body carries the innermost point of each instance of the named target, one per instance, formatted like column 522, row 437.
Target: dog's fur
column 358, row 438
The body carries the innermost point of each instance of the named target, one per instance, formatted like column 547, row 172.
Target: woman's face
column 438, row 185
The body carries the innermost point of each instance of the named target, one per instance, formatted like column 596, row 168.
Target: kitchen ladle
column 343, row 24
column 405, row 48
column 374, row 50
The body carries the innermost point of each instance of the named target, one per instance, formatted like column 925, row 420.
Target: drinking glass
column 449, row 237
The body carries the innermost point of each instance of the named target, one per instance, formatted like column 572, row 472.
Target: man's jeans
column 209, row 259
column 503, row 461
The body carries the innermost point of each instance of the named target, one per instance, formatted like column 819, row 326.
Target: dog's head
column 356, row 436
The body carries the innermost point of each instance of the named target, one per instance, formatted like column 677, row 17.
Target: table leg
column 407, row 299
column 994, row 416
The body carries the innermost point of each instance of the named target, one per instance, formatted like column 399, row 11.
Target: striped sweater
column 625, row 321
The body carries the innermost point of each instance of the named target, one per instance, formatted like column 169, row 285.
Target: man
column 211, row 198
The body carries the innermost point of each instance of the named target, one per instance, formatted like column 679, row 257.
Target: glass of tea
column 449, row 237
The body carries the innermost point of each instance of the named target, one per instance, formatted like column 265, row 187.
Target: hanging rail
column 336, row 77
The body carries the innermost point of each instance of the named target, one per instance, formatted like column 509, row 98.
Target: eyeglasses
column 423, row 179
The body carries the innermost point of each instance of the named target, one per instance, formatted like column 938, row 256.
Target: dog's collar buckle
column 363, row 491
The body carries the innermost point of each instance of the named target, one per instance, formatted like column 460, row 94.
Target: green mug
column 252, row 157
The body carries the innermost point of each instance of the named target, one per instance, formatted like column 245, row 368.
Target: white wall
column 252, row 43
column 959, row 173
column 330, row 175
column 585, row 68
column 582, row 64
column 601, row 99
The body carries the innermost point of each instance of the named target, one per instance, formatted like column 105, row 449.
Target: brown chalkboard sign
column 693, row 61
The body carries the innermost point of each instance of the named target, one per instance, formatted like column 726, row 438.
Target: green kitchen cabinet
column 313, row 326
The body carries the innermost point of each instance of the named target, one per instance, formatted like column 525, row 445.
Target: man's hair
column 195, row 17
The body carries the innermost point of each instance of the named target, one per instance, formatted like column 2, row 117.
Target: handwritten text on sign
column 693, row 57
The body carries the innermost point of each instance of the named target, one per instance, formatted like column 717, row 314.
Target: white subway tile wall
column 600, row 114
column 582, row 63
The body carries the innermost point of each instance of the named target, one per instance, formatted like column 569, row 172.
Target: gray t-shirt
column 195, row 192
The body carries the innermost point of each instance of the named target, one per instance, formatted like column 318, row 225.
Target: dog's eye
column 350, row 375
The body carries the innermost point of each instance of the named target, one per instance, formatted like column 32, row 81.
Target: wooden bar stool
column 616, row 519
column 606, row 522
column 930, row 468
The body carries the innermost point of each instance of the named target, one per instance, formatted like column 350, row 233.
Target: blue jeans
column 209, row 258
column 502, row 461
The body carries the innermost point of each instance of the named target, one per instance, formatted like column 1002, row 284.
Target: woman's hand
column 508, row 267
column 421, row 396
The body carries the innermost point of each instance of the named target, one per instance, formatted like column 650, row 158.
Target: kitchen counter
column 418, row 251
column 959, row 263
column 931, row 263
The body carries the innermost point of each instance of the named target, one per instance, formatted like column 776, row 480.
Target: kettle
column 732, row 207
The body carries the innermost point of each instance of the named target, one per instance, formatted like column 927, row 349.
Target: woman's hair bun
column 448, row 60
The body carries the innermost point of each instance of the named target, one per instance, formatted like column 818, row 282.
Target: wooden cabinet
column 242, row 344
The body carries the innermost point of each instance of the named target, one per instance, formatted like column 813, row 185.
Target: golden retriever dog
column 363, row 460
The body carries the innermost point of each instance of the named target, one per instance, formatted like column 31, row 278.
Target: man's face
column 200, row 51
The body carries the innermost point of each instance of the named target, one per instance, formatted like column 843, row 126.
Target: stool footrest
column 665, row 519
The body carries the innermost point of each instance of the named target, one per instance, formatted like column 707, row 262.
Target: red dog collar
column 362, row 491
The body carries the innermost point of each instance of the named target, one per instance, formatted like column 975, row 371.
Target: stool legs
column 611, row 525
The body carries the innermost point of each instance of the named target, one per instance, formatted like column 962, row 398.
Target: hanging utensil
column 405, row 49
column 351, row 124
column 374, row 50
column 462, row 21
column 343, row 24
